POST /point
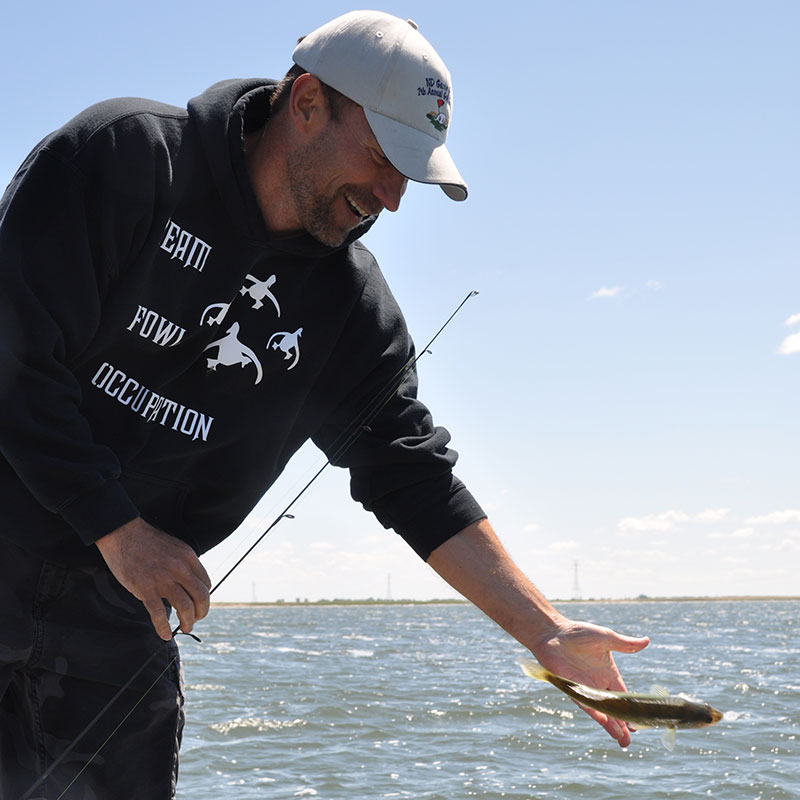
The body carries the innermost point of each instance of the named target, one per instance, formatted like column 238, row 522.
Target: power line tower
column 576, row 586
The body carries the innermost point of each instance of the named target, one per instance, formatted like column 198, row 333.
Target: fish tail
column 535, row 670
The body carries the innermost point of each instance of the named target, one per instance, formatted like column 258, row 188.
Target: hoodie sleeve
column 62, row 232
column 400, row 465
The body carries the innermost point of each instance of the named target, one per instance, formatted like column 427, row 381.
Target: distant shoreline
column 455, row 602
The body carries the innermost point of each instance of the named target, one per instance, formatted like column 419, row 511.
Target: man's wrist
column 99, row 511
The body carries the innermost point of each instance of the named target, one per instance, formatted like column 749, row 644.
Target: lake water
column 340, row 702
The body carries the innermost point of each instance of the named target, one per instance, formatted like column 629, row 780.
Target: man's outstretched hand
column 581, row 652
column 475, row 563
column 153, row 565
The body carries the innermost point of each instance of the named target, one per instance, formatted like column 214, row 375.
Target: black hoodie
column 162, row 356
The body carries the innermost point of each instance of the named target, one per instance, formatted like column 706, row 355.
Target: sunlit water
column 340, row 702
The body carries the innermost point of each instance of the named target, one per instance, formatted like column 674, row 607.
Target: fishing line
column 345, row 439
column 97, row 717
column 348, row 436
column 340, row 445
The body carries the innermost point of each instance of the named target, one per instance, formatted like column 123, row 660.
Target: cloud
column 776, row 518
column 787, row 544
column 791, row 344
column 606, row 291
column 734, row 560
column 651, row 522
column 638, row 556
column 779, row 546
column 713, row 514
column 556, row 547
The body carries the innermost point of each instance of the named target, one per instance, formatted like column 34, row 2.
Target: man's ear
column 308, row 108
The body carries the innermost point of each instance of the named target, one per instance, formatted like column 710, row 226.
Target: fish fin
column 668, row 739
column 533, row 670
column 658, row 691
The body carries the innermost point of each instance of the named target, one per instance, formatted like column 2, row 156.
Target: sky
column 623, row 392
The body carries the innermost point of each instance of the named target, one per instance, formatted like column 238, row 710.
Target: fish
column 658, row 709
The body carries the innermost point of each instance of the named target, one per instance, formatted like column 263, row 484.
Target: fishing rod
column 356, row 427
column 341, row 444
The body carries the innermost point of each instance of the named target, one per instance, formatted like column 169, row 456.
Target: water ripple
column 427, row 702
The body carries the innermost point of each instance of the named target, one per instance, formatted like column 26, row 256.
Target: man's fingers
column 201, row 596
column 158, row 616
column 614, row 728
column 184, row 607
column 629, row 644
column 197, row 592
column 187, row 594
column 186, row 589
column 619, row 731
column 190, row 606
column 190, row 598
column 200, row 571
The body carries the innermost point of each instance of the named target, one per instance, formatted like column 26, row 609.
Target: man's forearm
column 475, row 563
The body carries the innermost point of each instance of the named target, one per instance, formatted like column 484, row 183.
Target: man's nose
column 390, row 189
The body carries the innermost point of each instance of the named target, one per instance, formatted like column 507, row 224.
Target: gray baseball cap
column 386, row 65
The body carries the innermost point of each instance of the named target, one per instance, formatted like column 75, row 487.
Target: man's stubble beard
column 315, row 210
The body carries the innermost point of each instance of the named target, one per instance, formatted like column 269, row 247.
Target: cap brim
column 416, row 155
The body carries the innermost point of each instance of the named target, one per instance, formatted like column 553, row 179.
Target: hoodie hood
column 167, row 359
column 223, row 114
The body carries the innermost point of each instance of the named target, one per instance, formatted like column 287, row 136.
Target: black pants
column 69, row 639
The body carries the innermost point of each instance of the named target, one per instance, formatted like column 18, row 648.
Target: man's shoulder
column 115, row 124
column 363, row 265
column 108, row 111
column 376, row 295
column 362, row 256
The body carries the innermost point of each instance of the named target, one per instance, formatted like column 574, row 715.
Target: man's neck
column 266, row 169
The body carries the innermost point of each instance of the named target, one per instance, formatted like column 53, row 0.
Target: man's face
column 341, row 177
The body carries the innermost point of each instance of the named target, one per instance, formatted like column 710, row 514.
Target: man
column 185, row 302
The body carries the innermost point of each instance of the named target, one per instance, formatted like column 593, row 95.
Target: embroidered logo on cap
column 438, row 119
column 436, row 87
